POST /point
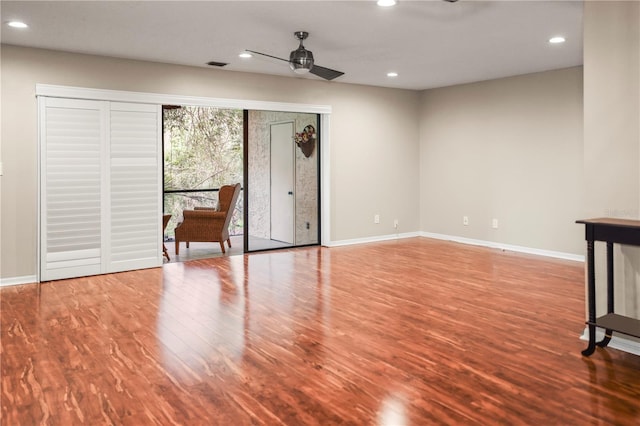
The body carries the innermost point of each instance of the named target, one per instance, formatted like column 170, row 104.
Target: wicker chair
column 205, row 224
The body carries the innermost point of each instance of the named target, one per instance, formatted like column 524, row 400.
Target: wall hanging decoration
column 306, row 140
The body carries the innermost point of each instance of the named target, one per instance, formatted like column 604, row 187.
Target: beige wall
column 509, row 149
column 374, row 137
column 612, row 134
column 611, row 95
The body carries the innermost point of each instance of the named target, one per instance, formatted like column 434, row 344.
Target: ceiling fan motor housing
column 301, row 60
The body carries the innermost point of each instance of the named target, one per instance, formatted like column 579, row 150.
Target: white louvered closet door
column 100, row 187
column 135, row 191
column 73, row 135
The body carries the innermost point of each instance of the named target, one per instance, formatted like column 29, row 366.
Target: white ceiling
column 429, row 43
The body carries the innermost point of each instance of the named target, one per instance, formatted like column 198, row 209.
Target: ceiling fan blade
column 264, row 54
column 326, row 73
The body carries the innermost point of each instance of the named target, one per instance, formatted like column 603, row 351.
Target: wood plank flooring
column 407, row 332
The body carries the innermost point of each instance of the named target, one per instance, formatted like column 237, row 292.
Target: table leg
column 591, row 296
column 608, row 333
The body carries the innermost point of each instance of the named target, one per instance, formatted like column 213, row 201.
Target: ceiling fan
column 301, row 60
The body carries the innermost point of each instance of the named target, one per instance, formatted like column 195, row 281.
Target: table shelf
column 619, row 323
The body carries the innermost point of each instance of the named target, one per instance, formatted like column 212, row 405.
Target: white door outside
column 282, row 182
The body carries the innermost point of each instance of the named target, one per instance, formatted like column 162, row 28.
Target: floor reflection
column 603, row 385
column 202, row 315
column 207, row 317
column 393, row 411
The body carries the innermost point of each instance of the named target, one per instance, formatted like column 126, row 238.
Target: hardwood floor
column 407, row 332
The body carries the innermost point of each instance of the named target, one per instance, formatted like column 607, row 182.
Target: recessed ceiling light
column 557, row 39
column 245, row 55
column 17, row 24
column 387, row 3
column 392, row 74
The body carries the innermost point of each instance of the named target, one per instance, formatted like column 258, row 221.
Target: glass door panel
column 282, row 180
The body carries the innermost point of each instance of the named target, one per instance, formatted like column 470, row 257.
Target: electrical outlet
column 376, row 218
column 494, row 223
column 465, row 220
column 395, row 223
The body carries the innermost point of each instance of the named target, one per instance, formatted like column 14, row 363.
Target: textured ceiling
column 428, row 43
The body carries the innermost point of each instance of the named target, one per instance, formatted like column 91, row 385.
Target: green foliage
column 202, row 147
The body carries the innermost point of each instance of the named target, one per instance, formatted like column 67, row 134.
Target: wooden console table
column 620, row 231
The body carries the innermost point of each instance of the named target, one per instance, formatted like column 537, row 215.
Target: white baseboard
column 617, row 342
column 28, row 279
column 463, row 240
column 509, row 247
column 373, row 239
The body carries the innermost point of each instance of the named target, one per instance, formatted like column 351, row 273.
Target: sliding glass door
column 282, row 164
column 278, row 167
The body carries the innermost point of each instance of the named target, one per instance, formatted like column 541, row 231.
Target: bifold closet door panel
column 73, row 136
column 135, row 165
column 100, row 187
